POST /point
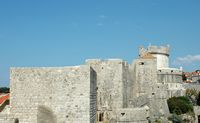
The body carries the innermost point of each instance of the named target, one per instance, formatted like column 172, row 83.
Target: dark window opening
column 122, row 114
column 172, row 71
column 16, row 120
column 153, row 93
column 101, row 117
column 160, row 71
column 141, row 63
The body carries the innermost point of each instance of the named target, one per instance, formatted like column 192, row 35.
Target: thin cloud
column 189, row 59
column 99, row 24
column 102, row 16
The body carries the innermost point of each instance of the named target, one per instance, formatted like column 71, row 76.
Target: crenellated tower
column 161, row 53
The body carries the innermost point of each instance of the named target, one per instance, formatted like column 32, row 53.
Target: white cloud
column 189, row 59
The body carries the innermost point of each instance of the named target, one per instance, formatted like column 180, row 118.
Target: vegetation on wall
column 194, row 96
column 180, row 105
column 191, row 92
column 4, row 90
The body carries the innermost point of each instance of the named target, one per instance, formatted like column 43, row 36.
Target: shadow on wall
column 2, row 106
column 45, row 115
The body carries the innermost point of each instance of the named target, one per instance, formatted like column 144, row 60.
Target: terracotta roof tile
column 4, row 98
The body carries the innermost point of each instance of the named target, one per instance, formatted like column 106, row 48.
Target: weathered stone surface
column 161, row 54
column 145, row 76
column 68, row 94
column 112, row 87
column 169, row 75
column 133, row 115
column 104, row 91
column 111, row 83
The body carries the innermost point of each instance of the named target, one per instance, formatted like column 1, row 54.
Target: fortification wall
column 169, row 75
column 112, row 89
column 145, row 76
column 132, row 115
column 195, row 86
column 6, row 118
column 50, row 95
column 147, row 88
column 110, row 82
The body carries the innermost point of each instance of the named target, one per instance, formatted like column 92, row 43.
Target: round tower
column 162, row 55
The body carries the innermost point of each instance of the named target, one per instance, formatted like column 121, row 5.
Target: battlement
column 164, row 50
column 104, row 60
column 158, row 50
column 161, row 53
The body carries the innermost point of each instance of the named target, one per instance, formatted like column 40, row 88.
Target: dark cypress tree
column 198, row 99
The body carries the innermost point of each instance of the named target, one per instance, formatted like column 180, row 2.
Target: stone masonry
column 100, row 91
column 53, row 95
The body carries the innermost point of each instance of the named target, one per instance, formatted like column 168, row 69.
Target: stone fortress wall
column 53, row 95
column 102, row 91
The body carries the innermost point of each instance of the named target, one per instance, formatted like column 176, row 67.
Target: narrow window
column 101, row 117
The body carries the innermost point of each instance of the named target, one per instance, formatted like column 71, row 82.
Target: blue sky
column 66, row 32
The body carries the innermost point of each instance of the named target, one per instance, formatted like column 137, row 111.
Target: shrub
column 180, row 105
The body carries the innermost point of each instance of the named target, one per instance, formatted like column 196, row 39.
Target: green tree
column 4, row 90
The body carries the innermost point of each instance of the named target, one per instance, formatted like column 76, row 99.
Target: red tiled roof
column 4, row 98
